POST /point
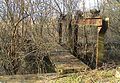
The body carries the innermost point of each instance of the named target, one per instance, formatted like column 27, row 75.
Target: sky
column 89, row 4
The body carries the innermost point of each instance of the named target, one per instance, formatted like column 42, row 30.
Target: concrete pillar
column 100, row 42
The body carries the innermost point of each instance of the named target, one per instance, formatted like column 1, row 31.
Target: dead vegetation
column 29, row 31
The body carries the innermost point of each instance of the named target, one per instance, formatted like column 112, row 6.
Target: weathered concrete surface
column 65, row 62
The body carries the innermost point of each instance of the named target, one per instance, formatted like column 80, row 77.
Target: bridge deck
column 65, row 62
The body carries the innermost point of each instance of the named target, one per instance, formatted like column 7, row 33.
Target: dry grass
column 93, row 76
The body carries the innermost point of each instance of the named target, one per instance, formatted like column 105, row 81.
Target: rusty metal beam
column 96, row 21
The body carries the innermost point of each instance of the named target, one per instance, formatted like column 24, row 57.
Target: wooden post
column 75, row 40
column 100, row 42
column 70, row 42
column 60, row 33
column 60, row 28
column 77, row 17
column 22, row 14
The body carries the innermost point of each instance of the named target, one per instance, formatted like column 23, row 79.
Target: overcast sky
column 92, row 3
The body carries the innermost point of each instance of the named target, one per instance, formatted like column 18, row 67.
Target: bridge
column 74, row 49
